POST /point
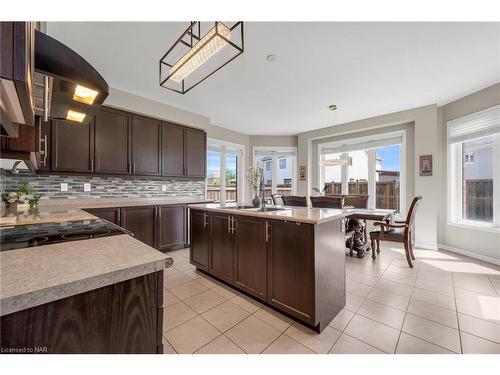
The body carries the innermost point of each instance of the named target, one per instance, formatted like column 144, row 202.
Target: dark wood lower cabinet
column 125, row 317
column 141, row 221
column 250, row 256
column 291, row 268
column 200, row 239
column 171, row 227
column 110, row 214
column 297, row 268
column 221, row 247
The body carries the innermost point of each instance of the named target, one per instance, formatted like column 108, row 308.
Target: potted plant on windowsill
column 24, row 199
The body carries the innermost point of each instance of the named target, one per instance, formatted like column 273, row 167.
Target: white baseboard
column 470, row 254
column 425, row 246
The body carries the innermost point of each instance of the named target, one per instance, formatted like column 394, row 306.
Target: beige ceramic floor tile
column 188, row 289
column 226, row 291
column 274, row 318
column 480, row 306
column 286, row 345
column 433, row 286
column 225, row 315
column 383, row 314
column 373, row 333
column 475, row 345
column 389, row 299
column 176, row 280
column 175, row 315
column 478, row 283
column 192, row 335
column 413, row 345
column 252, row 335
column 247, row 303
column 479, row 327
column 167, row 348
column 357, row 288
column 434, row 298
column 400, row 278
column 433, row 312
column 169, row 299
column 395, row 287
column 221, row 345
column 194, row 274
column 353, row 302
column 349, row 345
column 318, row 342
column 342, row 319
column 208, row 282
column 361, row 277
column 204, row 301
column 435, row 333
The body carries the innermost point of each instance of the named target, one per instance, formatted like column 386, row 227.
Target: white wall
column 483, row 244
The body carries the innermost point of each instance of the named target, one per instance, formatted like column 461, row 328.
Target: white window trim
column 455, row 191
column 274, row 154
column 371, row 166
column 224, row 148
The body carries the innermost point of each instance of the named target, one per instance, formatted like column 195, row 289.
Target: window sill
column 470, row 225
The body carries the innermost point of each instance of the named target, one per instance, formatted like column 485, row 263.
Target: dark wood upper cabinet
column 171, row 226
column 72, row 147
column 250, row 256
column 17, row 64
column 291, row 284
column 112, row 141
column 196, row 153
column 173, row 150
column 141, row 222
column 146, row 146
column 200, row 239
column 221, row 247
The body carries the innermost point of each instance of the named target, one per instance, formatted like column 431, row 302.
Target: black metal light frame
column 189, row 38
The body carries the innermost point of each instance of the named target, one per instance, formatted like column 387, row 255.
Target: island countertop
column 37, row 275
column 309, row 215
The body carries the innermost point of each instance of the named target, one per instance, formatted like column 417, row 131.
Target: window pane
column 477, row 176
column 357, row 172
column 333, row 173
column 387, row 167
column 213, row 175
column 285, row 176
column 231, row 178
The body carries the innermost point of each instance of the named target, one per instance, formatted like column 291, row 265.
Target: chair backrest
column 356, row 201
column 326, row 201
column 278, row 199
column 410, row 217
column 294, row 200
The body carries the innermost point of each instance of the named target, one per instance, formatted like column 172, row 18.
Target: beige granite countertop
column 307, row 215
column 60, row 210
column 33, row 276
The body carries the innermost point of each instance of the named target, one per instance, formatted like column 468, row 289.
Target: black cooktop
column 31, row 235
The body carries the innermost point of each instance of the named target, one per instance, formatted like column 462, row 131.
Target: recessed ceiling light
column 332, row 107
column 271, row 57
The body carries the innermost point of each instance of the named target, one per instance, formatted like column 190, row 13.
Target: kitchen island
column 291, row 258
column 98, row 295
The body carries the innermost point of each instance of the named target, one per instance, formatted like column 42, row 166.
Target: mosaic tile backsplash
column 107, row 187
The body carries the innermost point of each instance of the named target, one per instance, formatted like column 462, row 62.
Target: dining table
column 355, row 218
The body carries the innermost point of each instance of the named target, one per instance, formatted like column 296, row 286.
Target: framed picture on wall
column 302, row 173
column 425, row 165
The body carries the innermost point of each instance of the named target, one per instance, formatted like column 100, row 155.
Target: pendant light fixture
column 195, row 57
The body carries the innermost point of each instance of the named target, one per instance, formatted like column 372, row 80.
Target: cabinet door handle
column 229, row 224
column 159, row 212
column 205, row 223
column 233, row 225
column 92, row 165
column 119, row 217
column 268, row 234
column 133, row 167
column 45, row 98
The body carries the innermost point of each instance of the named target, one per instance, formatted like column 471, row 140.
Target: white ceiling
column 366, row 69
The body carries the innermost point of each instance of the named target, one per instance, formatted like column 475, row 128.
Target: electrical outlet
column 163, row 187
column 64, row 186
column 86, row 187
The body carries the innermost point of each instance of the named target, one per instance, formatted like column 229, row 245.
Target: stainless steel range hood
column 73, row 85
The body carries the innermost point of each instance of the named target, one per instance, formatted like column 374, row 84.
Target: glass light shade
column 75, row 116
column 208, row 46
column 84, row 95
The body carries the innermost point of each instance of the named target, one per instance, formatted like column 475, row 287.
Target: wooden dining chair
column 358, row 201
column 398, row 232
column 326, row 201
column 295, row 200
column 278, row 199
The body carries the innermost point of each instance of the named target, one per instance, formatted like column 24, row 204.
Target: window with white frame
column 473, row 169
column 372, row 165
column 279, row 169
column 225, row 182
